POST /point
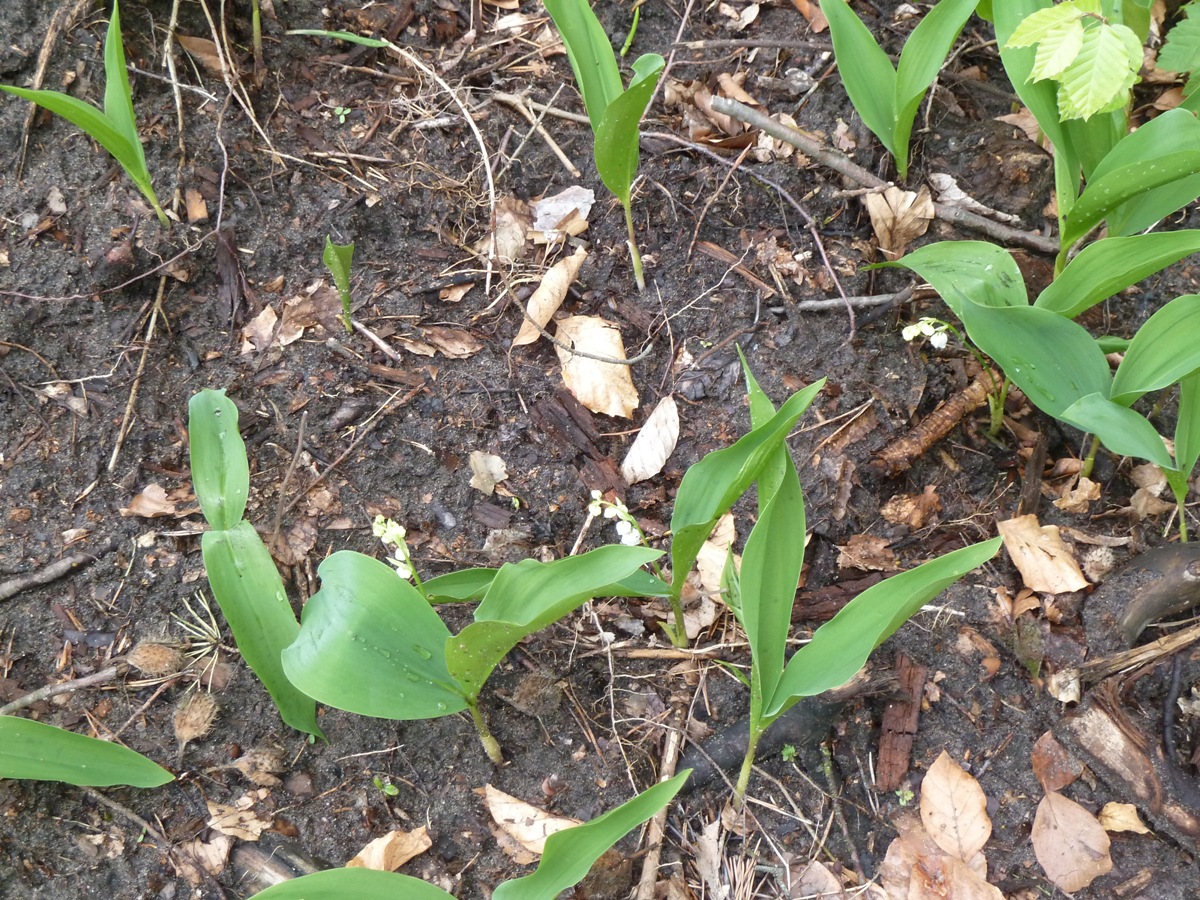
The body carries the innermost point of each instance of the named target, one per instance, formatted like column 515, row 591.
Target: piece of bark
column 899, row 455
column 899, row 726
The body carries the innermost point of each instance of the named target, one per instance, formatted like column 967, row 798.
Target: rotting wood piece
column 899, row 455
column 899, row 726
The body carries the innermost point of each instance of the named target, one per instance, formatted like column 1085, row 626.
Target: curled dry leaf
column 1121, row 817
column 192, row 859
column 565, row 210
column 602, row 387
column 487, row 470
column 549, row 296
column 954, row 809
column 916, row 868
column 1070, row 844
column 865, row 551
column 390, row 852
column 456, row 343
column 1040, row 556
column 291, row 547
column 898, row 217
column 525, row 823
column 513, row 221
column 710, row 561
column 239, row 821
column 913, row 510
column 654, row 444
column 1076, row 500
column 154, row 501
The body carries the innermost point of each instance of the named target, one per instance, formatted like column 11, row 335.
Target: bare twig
column 104, row 676
column 47, row 574
column 654, row 836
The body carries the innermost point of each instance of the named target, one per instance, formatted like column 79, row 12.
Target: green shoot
column 114, row 129
column 337, row 259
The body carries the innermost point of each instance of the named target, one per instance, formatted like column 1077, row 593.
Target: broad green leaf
column 761, row 410
column 591, row 55
column 220, row 471
column 616, row 134
column 923, row 55
column 712, row 485
column 39, row 752
column 839, row 648
column 338, row 258
column 1187, row 426
column 771, row 563
column 1057, row 49
column 359, row 884
column 1108, row 266
column 570, row 854
column 118, row 98
column 369, row 643
column 866, row 73
column 1045, row 23
column 982, row 272
column 249, row 591
column 465, row 584
column 1120, row 429
column 1181, row 52
column 1053, row 360
column 1164, row 350
column 1106, row 193
column 1101, row 73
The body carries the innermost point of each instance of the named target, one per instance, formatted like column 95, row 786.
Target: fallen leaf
column 814, row 880
column 865, row 551
column 456, row 343
column 549, row 296
column 1053, row 765
column 192, row 859
column 203, row 50
column 527, row 824
column 916, row 868
column 197, row 209
column 291, row 547
column 1040, row 556
column 553, row 212
column 1077, row 499
column 710, row 561
column 954, row 809
column 513, row 221
column 258, row 332
column 709, row 858
column 898, row 217
column 390, row 852
column 487, row 470
column 654, row 444
column 154, row 502
column 816, row 19
column 242, row 823
column 950, row 194
column 602, row 387
column 1121, row 817
column 913, row 510
column 1069, row 843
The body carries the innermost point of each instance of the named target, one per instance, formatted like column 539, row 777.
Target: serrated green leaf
column 1181, row 52
column 1040, row 25
column 1101, row 73
column 1057, row 49
column 35, row 751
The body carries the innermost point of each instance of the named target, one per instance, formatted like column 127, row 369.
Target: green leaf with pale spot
column 1181, row 52
column 1038, row 26
column 1102, row 73
column 1057, row 50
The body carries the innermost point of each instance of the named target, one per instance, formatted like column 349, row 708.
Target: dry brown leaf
column 203, row 50
column 1053, row 765
column 1040, row 556
column 239, row 821
column 816, row 19
column 292, row 546
column 420, row 348
column 913, row 510
column 192, row 859
column 456, row 343
column 898, row 217
column 561, row 211
column 602, row 387
column 197, row 209
column 527, row 824
column 151, row 503
column 1077, row 499
column 710, row 561
column 549, row 296
column 814, row 880
column 487, row 470
column 769, row 149
column 915, row 868
column 1121, row 817
column 866, row 551
column 954, row 809
column 513, row 221
column 709, row 858
column 390, row 852
column 950, row 194
column 258, row 333
column 1024, row 120
column 654, row 444
column 1070, row 844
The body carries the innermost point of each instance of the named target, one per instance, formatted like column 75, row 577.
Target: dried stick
column 66, row 687
column 518, row 104
column 47, row 574
column 658, row 825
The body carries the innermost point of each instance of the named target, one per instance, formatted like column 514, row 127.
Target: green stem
column 490, row 745
column 677, row 633
column 1090, row 461
column 634, row 255
column 743, row 782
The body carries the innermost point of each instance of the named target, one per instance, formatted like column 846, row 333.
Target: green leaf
column 1187, row 426
column 1119, row 428
column 1045, row 23
column 1181, row 52
column 249, row 591
column 712, row 485
column 370, row 643
column 118, row 98
column 761, row 410
column 866, row 73
column 342, row 36
column 1108, row 266
column 1057, row 49
column 359, row 884
column 1164, row 350
column 616, row 134
column 1102, row 72
column 591, row 55
column 839, row 648
column 465, row 584
column 570, row 853
column 338, row 258
column 982, row 272
column 220, row 471
column 38, row 752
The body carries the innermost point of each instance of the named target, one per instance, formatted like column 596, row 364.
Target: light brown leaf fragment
column 602, row 387
column 151, row 503
column 552, row 213
column 654, row 444
column 898, row 217
column 487, row 470
column 456, row 343
column 1053, row 765
column 527, row 824
column 913, row 510
column 1070, row 844
column 513, row 221
column 709, row 856
column 954, row 809
column 811, row 11
column 203, row 50
column 710, row 561
column 1040, row 556
column 1121, row 817
column 1077, row 499
column 197, row 209
column 192, row 859
column 866, row 551
column 291, row 547
column 814, row 880
column 258, row 332
column 915, row 868
column 239, row 821
column 390, row 852
column 549, row 296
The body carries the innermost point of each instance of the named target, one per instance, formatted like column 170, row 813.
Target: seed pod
column 155, row 660
column 194, row 719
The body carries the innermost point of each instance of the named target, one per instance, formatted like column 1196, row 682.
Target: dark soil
column 369, row 150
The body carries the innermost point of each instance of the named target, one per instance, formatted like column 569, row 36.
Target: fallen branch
column 47, row 574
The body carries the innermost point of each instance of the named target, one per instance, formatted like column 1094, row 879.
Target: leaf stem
column 634, row 256
column 677, row 632
column 1086, row 470
column 743, row 782
column 490, row 745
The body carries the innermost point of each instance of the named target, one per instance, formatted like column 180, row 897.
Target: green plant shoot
column 240, row 569
column 568, row 857
column 114, row 128
column 338, row 259
column 886, row 98
column 614, row 111
column 39, row 752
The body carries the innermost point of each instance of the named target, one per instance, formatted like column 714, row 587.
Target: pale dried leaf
column 487, row 470
column 513, row 221
column 654, row 444
column 950, row 194
column 1040, row 556
column 898, row 217
column 197, row 209
column 192, row 859
column 916, row 868
column 710, row 561
column 456, row 343
column 259, row 331
column 527, row 824
column 708, row 855
column 811, row 11
column 390, row 852
column 291, row 547
column 814, row 880
column 1070, row 844
column 550, row 213
column 1121, row 817
column 954, row 809
column 602, row 387
column 1077, row 499
column 913, row 510
column 1025, row 121
column 866, row 551
column 242, row 823
column 202, row 50
column 151, row 503
column 549, row 296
